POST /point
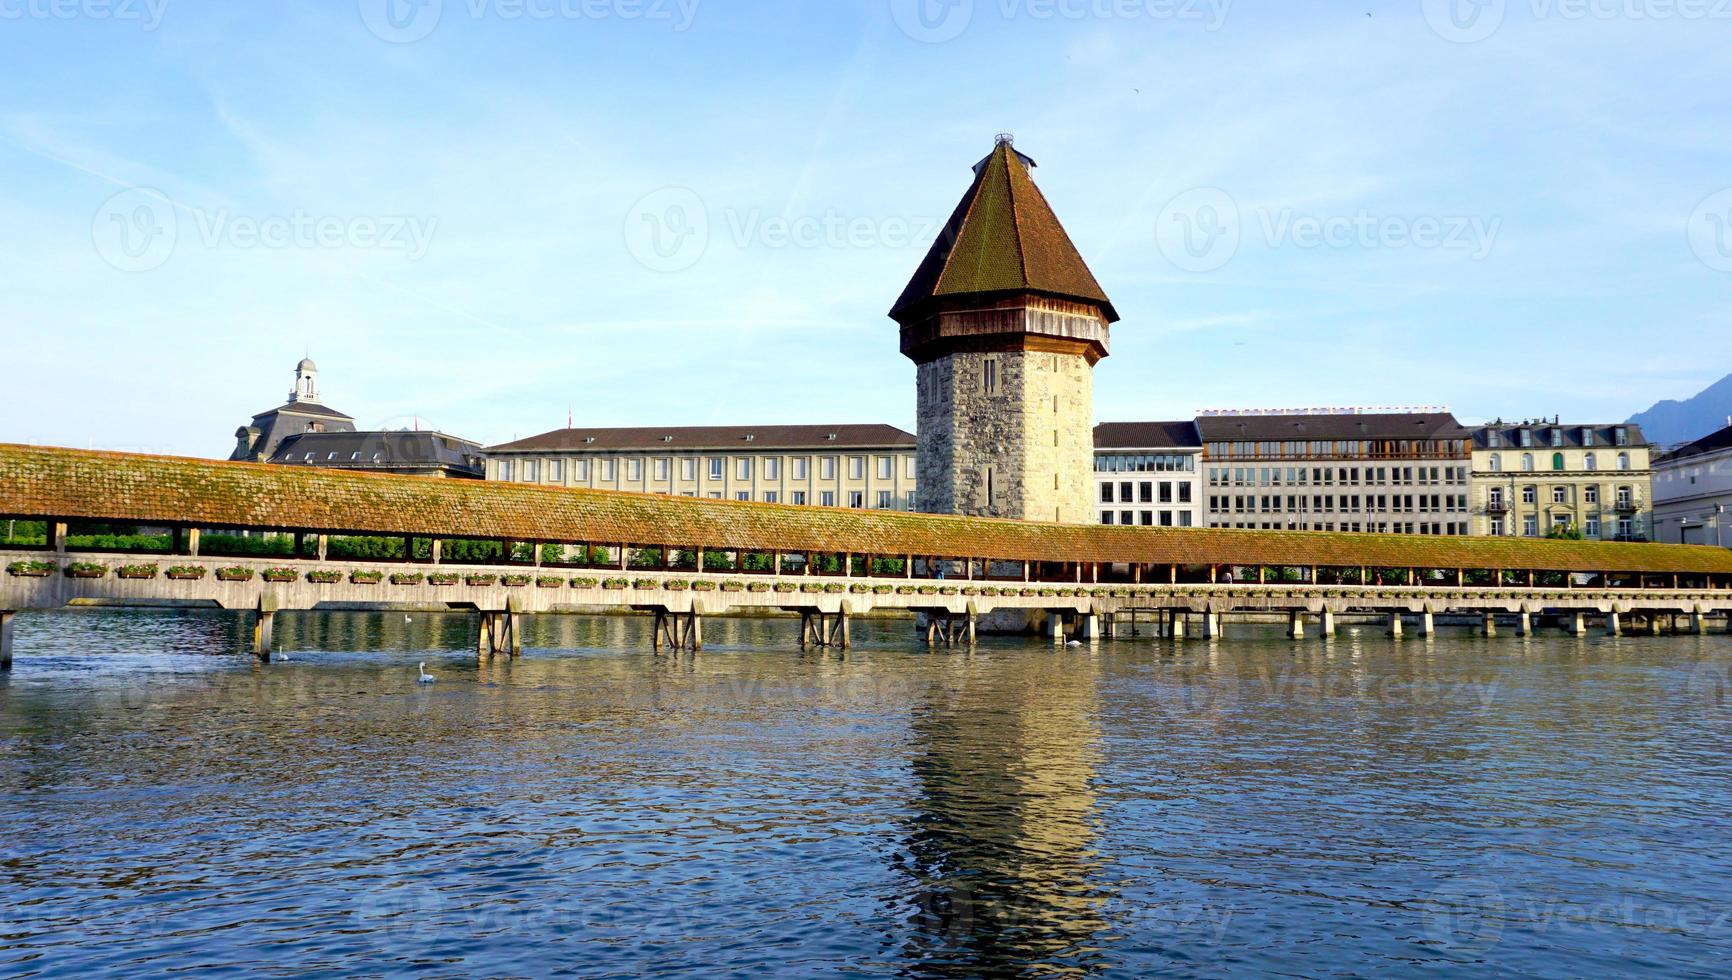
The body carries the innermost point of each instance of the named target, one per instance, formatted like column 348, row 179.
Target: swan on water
column 425, row 677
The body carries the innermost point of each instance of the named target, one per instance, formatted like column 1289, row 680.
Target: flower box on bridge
column 85, row 570
column 235, row 574
column 280, row 576
column 186, row 573
column 31, row 569
column 136, row 572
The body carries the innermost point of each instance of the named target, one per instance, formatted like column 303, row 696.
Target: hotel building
column 1533, row 479
column 1403, row 472
column 1693, row 492
column 1149, row 474
column 858, row 466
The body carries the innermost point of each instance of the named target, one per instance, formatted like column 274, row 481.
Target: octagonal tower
column 1005, row 323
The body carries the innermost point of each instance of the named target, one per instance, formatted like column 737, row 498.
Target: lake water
column 1550, row 806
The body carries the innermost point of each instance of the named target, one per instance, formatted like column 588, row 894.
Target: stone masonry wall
column 1031, row 440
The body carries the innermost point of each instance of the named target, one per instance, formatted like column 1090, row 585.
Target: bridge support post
column 1654, row 624
column 1211, row 625
column 1055, row 627
column 1525, row 624
column 1090, row 628
column 1427, row 624
column 1178, row 621
column 264, row 633
column 1577, row 624
column 1327, row 624
column 1697, row 627
column 1489, row 625
column 1395, row 624
column 1295, row 625
column 6, row 639
column 514, row 625
column 484, row 636
column 973, row 625
column 1614, row 624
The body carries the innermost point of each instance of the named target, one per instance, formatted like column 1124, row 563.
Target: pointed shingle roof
column 1003, row 238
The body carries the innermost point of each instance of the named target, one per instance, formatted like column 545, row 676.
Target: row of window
column 1147, row 518
column 1525, row 438
column 1495, row 498
column 714, row 467
column 1346, row 476
column 1398, row 503
column 884, row 499
column 1145, row 463
column 1147, row 492
column 1591, row 528
column 1433, row 528
column 1342, row 449
column 1590, row 462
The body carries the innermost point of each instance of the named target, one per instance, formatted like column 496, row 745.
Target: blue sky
column 483, row 213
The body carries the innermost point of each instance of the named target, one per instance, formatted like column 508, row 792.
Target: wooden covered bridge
column 145, row 530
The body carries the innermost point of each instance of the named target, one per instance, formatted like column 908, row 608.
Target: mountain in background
column 1671, row 423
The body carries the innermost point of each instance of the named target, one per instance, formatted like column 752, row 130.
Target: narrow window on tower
column 990, row 375
column 989, row 486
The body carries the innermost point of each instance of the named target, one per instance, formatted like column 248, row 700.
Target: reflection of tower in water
column 1001, row 845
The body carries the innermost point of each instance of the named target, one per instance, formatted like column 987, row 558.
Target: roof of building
column 714, row 438
column 1330, row 427
column 1147, row 435
column 1003, row 238
column 305, row 408
column 41, row 482
column 1551, row 435
column 380, row 450
column 1707, row 444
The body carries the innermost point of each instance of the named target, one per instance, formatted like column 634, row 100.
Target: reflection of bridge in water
column 681, row 560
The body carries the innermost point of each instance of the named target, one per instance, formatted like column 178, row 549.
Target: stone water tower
column 1005, row 323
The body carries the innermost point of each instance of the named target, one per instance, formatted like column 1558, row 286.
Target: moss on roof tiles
column 1003, row 237
column 122, row 488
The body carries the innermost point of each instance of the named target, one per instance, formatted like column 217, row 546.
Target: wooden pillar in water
column 1295, row 625
column 264, row 632
column 1488, row 625
column 1327, row 625
column 6, row 639
column 1525, row 623
column 1614, row 624
column 1395, row 626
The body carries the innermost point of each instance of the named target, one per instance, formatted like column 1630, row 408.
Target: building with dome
column 257, row 441
column 306, row 432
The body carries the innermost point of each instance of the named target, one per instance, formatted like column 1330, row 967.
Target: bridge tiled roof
column 122, row 488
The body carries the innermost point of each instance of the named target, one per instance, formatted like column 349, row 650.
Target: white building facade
column 1351, row 471
column 1149, row 474
column 864, row 467
column 1693, row 493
